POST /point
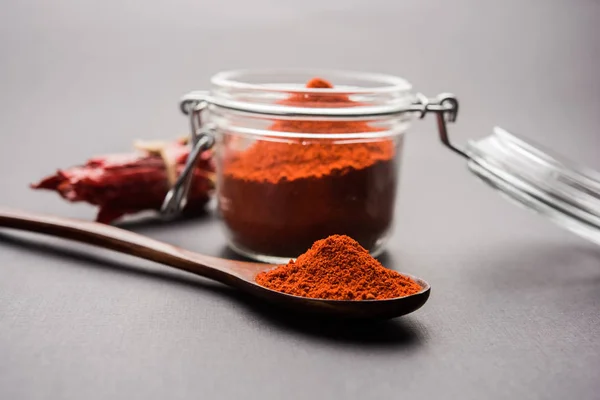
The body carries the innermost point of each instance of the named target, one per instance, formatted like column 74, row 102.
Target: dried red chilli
column 121, row 184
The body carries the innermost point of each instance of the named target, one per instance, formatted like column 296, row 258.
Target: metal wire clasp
column 202, row 138
column 445, row 107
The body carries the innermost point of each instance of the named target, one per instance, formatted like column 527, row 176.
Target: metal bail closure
column 201, row 139
column 445, row 107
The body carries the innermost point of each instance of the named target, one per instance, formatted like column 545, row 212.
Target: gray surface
column 515, row 303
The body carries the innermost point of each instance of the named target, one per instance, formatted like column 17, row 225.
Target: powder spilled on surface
column 338, row 268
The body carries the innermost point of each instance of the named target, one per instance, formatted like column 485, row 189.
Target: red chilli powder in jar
column 278, row 198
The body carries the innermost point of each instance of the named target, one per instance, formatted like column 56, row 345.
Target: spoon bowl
column 238, row 274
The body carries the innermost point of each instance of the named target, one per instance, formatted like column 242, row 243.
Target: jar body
column 300, row 172
column 277, row 215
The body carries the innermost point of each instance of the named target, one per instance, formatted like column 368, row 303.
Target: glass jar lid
column 540, row 180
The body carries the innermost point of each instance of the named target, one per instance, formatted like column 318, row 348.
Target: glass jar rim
column 232, row 79
column 378, row 95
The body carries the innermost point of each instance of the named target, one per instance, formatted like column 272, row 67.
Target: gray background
column 514, row 310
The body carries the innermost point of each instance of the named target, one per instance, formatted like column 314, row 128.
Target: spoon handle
column 123, row 241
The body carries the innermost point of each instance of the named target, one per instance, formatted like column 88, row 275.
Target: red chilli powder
column 338, row 268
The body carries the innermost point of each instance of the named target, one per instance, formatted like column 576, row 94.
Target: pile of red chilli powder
column 338, row 268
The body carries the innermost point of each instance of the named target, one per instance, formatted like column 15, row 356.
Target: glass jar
column 296, row 164
column 286, row 181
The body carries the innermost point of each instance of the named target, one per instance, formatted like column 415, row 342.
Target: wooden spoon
column 238, row 274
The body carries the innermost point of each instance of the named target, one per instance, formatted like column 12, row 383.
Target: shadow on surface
column 396, row 333
column 228, row 253
column 153, row 220
column 392, row 333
